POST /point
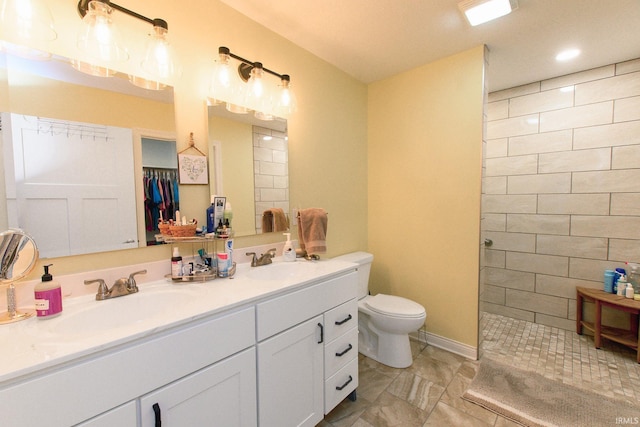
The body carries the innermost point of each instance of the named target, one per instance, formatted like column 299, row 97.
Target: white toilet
column 384, row 321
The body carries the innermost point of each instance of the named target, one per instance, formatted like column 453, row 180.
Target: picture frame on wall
column 193, row 169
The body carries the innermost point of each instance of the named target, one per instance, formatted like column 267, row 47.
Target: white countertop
column 35, row 345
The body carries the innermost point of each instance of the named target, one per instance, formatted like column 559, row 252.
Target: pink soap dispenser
column 48, row 295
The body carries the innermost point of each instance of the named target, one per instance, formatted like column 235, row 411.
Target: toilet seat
column 390, row 305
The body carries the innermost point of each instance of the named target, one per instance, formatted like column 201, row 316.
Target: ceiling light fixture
column 249, row 89
column 567, row 55
column 100, row 41
column 480, row 11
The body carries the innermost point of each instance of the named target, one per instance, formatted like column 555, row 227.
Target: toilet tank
column 364, row 260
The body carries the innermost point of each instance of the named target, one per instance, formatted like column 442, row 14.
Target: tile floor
column 429, row 392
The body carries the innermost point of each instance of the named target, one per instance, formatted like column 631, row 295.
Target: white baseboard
column 447, row 344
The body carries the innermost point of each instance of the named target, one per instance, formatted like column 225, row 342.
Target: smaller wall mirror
column 18, row 256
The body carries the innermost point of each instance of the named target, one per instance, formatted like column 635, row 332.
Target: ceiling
column 374, row 39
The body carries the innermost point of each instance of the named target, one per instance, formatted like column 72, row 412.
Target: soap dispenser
column 288, row 252
column 48, row 295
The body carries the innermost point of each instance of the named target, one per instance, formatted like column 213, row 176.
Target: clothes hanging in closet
column 161, row 196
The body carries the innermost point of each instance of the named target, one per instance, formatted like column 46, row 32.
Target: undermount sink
column 86, row 316
column 280, row 270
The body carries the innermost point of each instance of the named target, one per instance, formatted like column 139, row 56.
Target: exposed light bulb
column 158, row 60
column 98, row 38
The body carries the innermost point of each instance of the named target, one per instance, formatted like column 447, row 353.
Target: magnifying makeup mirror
column 18, row 256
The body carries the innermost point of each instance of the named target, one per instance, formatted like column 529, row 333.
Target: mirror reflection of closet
column 160, row 183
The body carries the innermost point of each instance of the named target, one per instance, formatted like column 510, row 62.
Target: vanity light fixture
column 249, row 89
column 99, row 39
column 480, row 11
column 23, row 24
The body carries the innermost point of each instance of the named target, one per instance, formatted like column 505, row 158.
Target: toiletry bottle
column 176, row 263
column 211, row 212
column 628, row 293
column 288, row 252
column 621, row 285
column 228, row 215
column 48, row 294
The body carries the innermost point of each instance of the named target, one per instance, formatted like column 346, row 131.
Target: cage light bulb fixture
column 480, row 11
column 98, row 38
column 158, row 60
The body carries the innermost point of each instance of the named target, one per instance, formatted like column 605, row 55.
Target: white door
column 291, row 376
column 223, row 394
column 73, row 185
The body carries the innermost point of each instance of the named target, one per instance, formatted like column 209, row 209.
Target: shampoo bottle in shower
column 48, row 294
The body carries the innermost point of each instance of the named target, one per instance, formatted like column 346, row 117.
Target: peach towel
column 274, row 219
column 312, row 230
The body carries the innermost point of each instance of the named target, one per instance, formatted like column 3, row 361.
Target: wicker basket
column 188, row 230
column 164, row 228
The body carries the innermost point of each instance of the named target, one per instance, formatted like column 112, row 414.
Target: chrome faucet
column 120, row 288
column 264, row 259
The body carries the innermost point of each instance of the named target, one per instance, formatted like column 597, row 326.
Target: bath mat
column 530, row 399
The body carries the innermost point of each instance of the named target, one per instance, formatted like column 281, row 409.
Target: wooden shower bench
column 600, row 298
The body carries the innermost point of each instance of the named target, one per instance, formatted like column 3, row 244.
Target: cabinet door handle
column 345, row 320
column 156, row 410
column 321, row 333
column 342, row 353
column 345, row 384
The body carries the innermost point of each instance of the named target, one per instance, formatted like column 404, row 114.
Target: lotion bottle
column 176, row 263
column 288, row 252
column 48, row 295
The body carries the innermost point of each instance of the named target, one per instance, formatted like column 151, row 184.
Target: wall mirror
column 52, row 89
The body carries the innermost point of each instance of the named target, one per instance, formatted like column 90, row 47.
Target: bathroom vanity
column 273, row 346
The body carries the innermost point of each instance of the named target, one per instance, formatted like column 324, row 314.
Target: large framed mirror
column 54, row 90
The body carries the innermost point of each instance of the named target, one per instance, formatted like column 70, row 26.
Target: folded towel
column 274, row 219
column 312, row 230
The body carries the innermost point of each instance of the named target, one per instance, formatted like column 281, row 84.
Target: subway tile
column 517, row 165
column 625, row 133
column 626, row 109
column 510, row 279
column 576, row 117
column 281, row 181
column 531, row 223
column 621, row 86
column 494, row 258
column 536, row 263
column 586, row 204
column 512, row 241
column 516, row 203
column 580, row 77
column 493, row 294
column 626, row 157
column 494, row 222
column 624, row 250
column 546, row 142
column 548, row 100
column 615, row 181
column 262, row 154
column 270, row 168
column 563, row 286
column 574, row 246
column 573, row 161
column 554, row 306
column 535, row 184
column 263, row 181
column 511, row 312
column 628, row 66
column 557, row 322
column 515, row 91
column 515, row 126
column 496, row 148
column 273, row 194
column 621, row 227
column 591, row 269
column 494, row 185
column 625, row 204
column 498, row 110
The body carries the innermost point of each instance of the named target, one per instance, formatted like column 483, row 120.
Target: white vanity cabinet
column 292, row 345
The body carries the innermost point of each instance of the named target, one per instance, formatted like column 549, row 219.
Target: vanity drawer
column 340, row 352
column 281, row 313
column 338, row 386
column 339, row 320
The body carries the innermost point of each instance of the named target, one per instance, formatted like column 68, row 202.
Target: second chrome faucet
column 264, row 259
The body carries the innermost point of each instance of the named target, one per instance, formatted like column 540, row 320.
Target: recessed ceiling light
column 480, row 11
column 568, row 54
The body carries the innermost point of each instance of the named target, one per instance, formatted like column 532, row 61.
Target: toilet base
column 393, row 350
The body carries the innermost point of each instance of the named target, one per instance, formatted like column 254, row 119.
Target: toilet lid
column 394, row 306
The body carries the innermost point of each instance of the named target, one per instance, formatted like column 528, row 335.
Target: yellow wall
column 425, row 159
column 327, row 136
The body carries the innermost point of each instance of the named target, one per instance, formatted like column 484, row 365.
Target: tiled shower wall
column 561, row 191
column 271, row 172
